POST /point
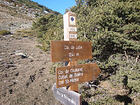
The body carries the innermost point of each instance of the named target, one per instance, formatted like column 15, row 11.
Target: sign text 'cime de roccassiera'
column 70, row 50
column 71, row 75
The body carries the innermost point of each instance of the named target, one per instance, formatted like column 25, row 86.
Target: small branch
column 137, row 59
column 126, row 56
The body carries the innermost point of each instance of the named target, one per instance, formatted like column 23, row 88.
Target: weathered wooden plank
column 70, row 50
column 65, row 96
column 72, row 75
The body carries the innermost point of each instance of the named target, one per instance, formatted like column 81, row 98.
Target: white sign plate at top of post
column 70, row 29
column 72, row 20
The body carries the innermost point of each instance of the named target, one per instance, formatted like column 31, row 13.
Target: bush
column 114, row 29
column 4, row 32
column 26, row 33
column 129, row 68
column 112, row 26
column 48, row 27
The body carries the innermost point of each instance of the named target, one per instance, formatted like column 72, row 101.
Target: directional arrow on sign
column 71, row 75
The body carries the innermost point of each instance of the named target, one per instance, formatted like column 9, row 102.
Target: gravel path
column 25, row 77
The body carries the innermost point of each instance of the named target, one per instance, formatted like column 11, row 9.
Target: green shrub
column 54, row 66
column 112, row 26
column 47, row 28
column 129, row 68
column 4, row 32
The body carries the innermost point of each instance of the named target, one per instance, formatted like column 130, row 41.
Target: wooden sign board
column 65, row 96
column 70, row 51
column 71, row 75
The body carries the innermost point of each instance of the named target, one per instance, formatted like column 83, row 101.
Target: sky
column 57, row 5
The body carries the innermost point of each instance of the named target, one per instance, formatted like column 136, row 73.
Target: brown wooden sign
column 71, row 75
column 65, row 96
column 70, row 50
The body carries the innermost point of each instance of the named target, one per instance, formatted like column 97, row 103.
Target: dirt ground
column 25, row 77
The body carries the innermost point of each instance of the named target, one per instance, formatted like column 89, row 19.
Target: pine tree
column 112, row 26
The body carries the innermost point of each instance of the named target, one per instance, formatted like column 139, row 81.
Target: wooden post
column 70, row 51
column 73, row 87
column 70, row 34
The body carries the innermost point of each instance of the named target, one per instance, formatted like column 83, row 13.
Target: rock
column 32, row 78
column 21, row 54
column 17, row 74
column 2, row 53
column 0, row 59
column 10, row 91
column 27, row 84
column 6, row 75
column 31, row 58
column 45, row 80
column 10, row 65
column 46, row 89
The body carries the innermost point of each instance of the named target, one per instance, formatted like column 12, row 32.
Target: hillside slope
column 19, row 14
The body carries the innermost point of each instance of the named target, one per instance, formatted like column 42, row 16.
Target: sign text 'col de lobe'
column 70, row 50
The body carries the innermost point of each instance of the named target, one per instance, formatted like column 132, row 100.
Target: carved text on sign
column 70, row 50
column 73, row 29
column 70, row 75
column 73, row 36
column 66, row 97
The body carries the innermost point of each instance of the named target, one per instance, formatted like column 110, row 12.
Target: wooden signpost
column 71, row 50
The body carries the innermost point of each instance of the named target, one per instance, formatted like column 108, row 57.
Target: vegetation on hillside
column 49, row 27
column 113, row 26
column 35, row 5
column 4, row 32
column 32, row 4
column 114, row 29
